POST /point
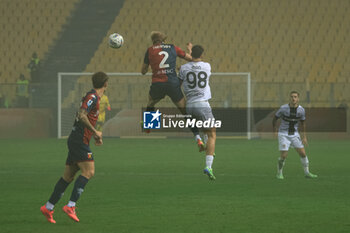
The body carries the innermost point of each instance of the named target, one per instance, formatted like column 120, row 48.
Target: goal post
column 130, row 90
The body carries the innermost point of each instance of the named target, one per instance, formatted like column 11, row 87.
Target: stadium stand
column 284, row 44
column 279, row 42
column 28, row 26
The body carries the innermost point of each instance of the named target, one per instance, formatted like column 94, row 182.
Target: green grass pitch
column 157, row 185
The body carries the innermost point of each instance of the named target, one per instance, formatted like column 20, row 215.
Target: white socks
column 205, row 138
column 49, row 206
column 305, row 163
column 209, row 160
column 280, row 165
column 71, row 204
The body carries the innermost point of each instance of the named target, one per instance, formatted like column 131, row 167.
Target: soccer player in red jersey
column 162, row 59
column 79, row 153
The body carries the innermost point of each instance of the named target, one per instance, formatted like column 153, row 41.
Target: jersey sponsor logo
column 290, row 119
column 167, row 71
column 195, row 94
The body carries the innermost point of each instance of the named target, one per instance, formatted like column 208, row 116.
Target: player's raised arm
column 188, row 56
column 189, row 47
column 184, row 55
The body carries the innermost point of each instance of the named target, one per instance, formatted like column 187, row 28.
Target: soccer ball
column 115, row 41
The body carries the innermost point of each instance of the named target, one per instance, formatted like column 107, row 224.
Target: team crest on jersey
column 89, row 155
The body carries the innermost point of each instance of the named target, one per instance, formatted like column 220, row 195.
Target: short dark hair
column 294, row 92
column 197, row 51
column 99, row 79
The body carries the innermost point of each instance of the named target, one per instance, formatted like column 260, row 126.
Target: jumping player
column 79, row 153
column 291, row 114
column 162, row 59
column 195, row 81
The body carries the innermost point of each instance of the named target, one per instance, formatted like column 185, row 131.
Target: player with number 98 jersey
column 195, row 82
column 195, row 77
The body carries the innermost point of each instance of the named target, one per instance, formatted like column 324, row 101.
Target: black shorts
column 160, row 90
column 78, row 152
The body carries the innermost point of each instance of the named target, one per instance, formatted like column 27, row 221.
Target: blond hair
column 158, row 37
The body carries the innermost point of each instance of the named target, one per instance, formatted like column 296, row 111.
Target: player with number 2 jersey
column 162, row 59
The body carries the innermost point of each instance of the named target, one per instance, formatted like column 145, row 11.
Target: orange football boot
column 201, row 145
column 48, row 214
column 70, row 211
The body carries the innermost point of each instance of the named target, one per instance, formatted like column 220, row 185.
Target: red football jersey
column 162, row 59
column 91, row 103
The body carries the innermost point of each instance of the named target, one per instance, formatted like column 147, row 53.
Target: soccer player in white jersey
column 291, row 115
column 195, row 82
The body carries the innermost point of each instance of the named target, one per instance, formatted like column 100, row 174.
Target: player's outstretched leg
column 280, row 165
column 150, row 108
column 201, row 145
column 305, row 163
column 87, row 172
column 78, row 189
column 58, row 192
column 47, row 209
column 181, row 105
column 210, row 151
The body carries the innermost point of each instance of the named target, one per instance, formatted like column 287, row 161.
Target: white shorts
column 285, row 141
column 200, row 110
